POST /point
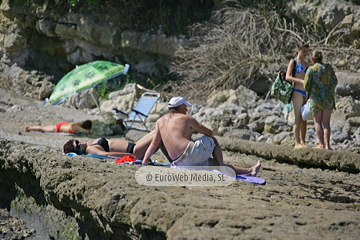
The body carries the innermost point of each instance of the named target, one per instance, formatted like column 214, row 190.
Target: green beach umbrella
column 83, row 77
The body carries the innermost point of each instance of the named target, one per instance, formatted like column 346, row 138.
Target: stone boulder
column 240, row 96
column 283, row 138
column 257, row 126
column 243, row 134
column 83, row 99
column 274, row 124
column 338, row 120
column 329, row 14
column 352, row 125
column 123, row 103
column 349, row 106
column 46, row 89
column 348, row 84
column 224, row 118
column 340, row 137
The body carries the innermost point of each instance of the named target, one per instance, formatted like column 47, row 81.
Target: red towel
column 125, row 159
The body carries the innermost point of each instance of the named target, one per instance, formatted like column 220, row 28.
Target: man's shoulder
column 174, row 117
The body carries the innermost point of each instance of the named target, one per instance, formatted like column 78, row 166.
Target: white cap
column 177, row 101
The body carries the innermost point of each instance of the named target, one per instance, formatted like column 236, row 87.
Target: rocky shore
column 44, row 194
column 13, row 227
column 310, row 194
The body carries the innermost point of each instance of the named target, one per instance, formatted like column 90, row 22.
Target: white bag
column 305, row 111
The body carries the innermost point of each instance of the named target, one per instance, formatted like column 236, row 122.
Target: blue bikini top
column 300, row 69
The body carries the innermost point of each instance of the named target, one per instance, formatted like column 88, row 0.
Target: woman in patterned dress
column 320, row 83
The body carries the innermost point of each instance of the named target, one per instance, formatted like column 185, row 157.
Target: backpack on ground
column 282, row 89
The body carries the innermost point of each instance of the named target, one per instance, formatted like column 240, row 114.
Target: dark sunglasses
column 77, row 148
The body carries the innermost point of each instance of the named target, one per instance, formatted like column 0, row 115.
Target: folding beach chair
column 141, row 110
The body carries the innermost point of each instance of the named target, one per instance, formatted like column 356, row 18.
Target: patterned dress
column 320, row 82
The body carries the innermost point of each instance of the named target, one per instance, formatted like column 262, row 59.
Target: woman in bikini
column 113, row 147
column 64, row 127
column 299, row 96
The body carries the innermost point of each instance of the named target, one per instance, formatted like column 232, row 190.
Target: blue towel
column 72, row 154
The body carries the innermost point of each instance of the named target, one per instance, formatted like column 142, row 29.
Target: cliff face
column 52, row 37
column 42, row 40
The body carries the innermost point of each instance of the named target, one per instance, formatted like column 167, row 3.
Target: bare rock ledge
column 83, row 198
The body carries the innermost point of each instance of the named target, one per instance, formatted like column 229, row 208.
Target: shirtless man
column 174, row 131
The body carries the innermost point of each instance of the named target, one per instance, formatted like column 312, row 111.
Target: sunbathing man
column 64, row 127
column 173, row 130
column 112, row 147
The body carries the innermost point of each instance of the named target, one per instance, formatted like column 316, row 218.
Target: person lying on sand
column 112, row 147
column 64, row 127
column 173, row 130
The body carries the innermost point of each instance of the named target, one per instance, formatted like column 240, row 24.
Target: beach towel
column 56, row 133
column 251, row 179
column 139, row 162
column 117, row 159
column 242, row 177
column 72, row 154
column 125, row 159
column 80, row 134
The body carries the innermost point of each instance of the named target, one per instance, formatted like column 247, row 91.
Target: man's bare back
column 175, row 133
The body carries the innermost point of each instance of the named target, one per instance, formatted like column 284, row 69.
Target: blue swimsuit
column 300, row 69
column 302, row 92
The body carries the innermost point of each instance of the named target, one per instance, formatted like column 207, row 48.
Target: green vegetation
column 171, row 17
column 24, row 202
column 115, row 84
column 72, row 232
column 74, row 3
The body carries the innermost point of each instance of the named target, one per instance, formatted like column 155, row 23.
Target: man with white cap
column 174, row 130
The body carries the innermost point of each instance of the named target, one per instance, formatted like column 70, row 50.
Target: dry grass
column 235, row 47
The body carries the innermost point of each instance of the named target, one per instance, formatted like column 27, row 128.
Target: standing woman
column 320, row 83
column 299, row 96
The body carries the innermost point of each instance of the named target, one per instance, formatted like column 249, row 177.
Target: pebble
column 13, row 227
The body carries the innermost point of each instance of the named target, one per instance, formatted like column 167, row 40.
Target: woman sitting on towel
column 64, row 127
column 112, row 147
